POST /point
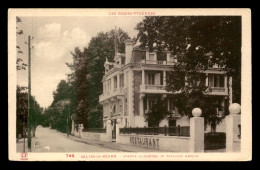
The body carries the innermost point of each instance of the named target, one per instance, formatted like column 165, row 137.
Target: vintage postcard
column 129, row 84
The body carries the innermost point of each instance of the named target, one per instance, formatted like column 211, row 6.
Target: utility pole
column 29, row 93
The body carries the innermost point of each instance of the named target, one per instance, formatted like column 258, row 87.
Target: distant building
column 132, row 81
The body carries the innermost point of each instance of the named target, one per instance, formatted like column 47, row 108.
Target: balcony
column 157, row 62
column 111, row 93
column 153, row 88
column 217, row 91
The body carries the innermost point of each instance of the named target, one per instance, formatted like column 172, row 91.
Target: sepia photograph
column 129, row 84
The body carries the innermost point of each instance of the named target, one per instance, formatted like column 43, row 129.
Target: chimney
column 128, row 50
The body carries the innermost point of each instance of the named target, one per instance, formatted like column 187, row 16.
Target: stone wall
column 92, row 136
column 158, row 142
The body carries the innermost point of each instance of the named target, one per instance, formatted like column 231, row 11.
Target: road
column 49, row 140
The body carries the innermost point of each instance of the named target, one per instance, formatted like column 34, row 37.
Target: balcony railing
column 218, row 89
column 155, row 87
column 167, row 131
column 157, row 62
column 114, row 92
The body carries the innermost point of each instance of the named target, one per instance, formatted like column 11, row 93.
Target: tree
column 78, row 81
column 87, row 73
column 58, row 114
column 20, row 65
column 198, row 42
column 21, row 110
column 101, row 47
column 157, row 113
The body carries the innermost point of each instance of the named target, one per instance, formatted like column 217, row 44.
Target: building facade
column 136, row 78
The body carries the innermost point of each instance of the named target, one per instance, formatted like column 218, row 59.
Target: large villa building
column 132, row 82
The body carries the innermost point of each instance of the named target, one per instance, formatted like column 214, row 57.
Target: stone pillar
column 131, row 98
column 196, row 131
column 109, row 131
column 80, row 129
column 143, row 77
column 164, row 78
column 207, row 79
column 141, row 105
column 225, row 83
column 119, row 125
column 232, row 129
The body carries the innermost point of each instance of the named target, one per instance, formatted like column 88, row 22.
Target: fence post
column 109, row 131
column 178, row 130
column 81, row 127
column 118, row 126
column 196, row 131
column 232, row 128
column 165, row 130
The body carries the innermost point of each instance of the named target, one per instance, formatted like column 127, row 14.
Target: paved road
column 49, row 140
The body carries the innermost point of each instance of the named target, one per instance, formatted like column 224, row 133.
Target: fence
column 95, row 130
column 214, row 140
column 167, row 131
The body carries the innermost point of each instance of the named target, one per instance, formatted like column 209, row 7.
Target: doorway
column 114, row 129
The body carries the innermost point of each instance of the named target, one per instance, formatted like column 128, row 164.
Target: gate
column 214, row 140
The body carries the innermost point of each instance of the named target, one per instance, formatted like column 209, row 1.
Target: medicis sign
column 145, row 142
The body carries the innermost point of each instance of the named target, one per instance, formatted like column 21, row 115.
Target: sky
column 53, row 40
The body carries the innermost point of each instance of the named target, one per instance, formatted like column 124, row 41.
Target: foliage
column 84, row 84
column 22, row 111
column 78, row 79
column 99, row 48
column 194, row 38
column 58, row 115
column 157, row 113
column 87, row 73
column 198, row 42
column 20, row 65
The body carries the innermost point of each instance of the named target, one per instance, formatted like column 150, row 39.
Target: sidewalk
column 125, row 148
column 21, row 143
column 114, row 145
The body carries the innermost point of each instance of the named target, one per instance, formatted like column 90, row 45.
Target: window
column 216, row 80
column 125, row 122
column 171, row 105
column 123, row 60
column 151, row 78
column 121, row 84
column 173, row 58
column 114, row 109
column 109, row 85
column 115, row 82
column 151, row 103
column 126, row 107
column 120, row 106
column 172, row 122
column 151, row 57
